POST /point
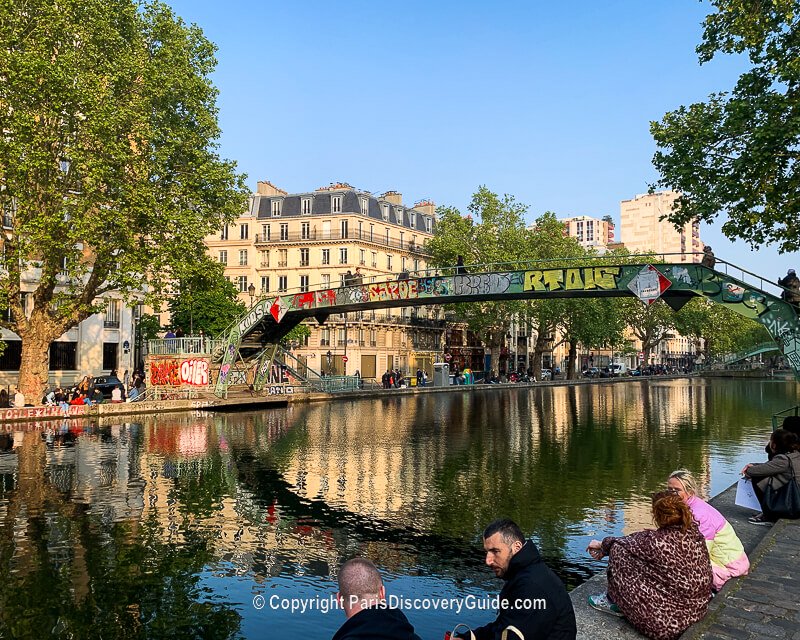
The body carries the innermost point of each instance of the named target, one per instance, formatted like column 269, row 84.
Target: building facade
column 643, row 230
column 290, row 243
column 591, row 233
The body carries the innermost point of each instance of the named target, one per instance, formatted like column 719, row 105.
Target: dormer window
column 412, row 218
column 277, row 205
column 336, row 204
column 364, row 206
column 428, row 225
column 398, row 215
column 385, row 211
column 305, row 206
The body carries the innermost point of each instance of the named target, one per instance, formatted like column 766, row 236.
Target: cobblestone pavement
column 764, row 604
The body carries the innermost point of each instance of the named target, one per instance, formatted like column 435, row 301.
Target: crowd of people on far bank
column 661, row 580
column 86, row 392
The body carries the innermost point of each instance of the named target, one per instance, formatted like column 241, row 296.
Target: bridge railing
column 194, row 345
column 690, row 258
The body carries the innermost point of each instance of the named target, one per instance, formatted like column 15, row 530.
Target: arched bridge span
column 272, row 317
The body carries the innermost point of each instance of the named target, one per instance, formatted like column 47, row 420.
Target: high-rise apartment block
column 591, row 233
column 290, row 243
column 643, row 229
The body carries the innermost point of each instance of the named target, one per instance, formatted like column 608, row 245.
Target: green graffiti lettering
column 606, row 277
column 553, row 279
column 573, row 279
column 533, row 281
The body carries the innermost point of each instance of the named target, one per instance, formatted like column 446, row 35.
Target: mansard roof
column 321, row 205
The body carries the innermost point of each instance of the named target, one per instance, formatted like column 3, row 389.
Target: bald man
column 363, row 598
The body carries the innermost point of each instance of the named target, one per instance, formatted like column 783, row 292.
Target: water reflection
column 170, row 526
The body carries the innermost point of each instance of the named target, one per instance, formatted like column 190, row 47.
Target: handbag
column 510, row 628
column 783, row 502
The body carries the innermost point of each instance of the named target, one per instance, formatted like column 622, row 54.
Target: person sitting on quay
column 97, row 396
column 116, row 395
column 659, row 580
column 790, row 423
column 728, row 559
column 528, row 580
column 784, row 467
column 19, row 398
column 363, row 598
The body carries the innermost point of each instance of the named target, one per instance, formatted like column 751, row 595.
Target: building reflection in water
column 127, row 509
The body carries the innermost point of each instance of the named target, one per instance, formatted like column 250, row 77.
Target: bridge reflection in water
column 171, row 525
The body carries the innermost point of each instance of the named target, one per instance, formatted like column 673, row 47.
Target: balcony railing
column 336, row 236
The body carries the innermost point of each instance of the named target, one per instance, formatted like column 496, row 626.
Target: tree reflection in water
column 166, row 527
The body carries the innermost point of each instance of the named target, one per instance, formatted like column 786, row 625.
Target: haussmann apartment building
column 290, row 243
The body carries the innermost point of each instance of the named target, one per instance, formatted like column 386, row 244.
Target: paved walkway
column 764, row 604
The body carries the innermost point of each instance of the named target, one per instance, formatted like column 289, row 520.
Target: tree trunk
column 35, row 366
column 572, row 360
column 538, row 350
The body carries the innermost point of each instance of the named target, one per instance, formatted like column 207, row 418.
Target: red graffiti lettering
column 303, row 300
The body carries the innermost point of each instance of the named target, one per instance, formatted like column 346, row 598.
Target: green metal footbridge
column 253, row 339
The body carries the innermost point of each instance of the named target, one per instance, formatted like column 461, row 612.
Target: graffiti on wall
column 175, row 373
column 576, row 279
column 484, row 283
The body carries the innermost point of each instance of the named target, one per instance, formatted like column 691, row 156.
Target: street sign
column 344, row 358
column 641, row 355
column 649, row 284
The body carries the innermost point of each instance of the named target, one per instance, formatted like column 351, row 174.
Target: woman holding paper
column 784, row 467
column 728, row 558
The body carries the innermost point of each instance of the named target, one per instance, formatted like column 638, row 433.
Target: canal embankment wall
column 763, row 604
column 245, row 400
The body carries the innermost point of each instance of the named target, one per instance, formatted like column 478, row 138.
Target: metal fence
column 195, row 345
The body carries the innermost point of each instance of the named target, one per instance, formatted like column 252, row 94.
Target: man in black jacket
column 363, row 598
column 533, row 599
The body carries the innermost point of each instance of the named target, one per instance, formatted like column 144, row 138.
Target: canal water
column 215, row 525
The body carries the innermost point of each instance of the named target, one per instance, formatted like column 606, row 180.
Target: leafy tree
column 494, row 233
column 649, row 323
column 723, row 331
column 109, row 170
column 206, row 300
column 737, row 154
column 149, row 326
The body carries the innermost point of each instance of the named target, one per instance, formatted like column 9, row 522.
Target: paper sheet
column 745, row 496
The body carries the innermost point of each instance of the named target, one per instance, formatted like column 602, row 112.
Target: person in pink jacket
column 728, row 558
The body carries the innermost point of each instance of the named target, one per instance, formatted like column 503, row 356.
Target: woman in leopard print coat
column 660, row 580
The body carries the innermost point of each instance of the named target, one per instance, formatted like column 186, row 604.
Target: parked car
column 635, row 372
column 106, row 384
column 591, row 372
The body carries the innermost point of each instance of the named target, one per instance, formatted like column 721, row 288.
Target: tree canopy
column 110, row 176
column 205, row 300
column 737, row 154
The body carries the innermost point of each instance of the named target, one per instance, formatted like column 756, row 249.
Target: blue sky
column 550, row 103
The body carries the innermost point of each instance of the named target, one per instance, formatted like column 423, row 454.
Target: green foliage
column 149, row 327
column 206, row 300
column 724, row 331
column 109, row 159
column 493, row 233
column 737, row 153
column 298, row 334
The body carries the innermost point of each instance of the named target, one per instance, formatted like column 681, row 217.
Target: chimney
column 426, row 206
column 266, row 188
column 395, row 197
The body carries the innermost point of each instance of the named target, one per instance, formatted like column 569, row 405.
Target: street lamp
column 251, row 291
